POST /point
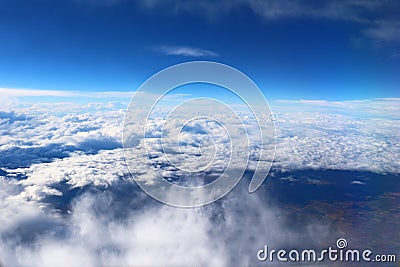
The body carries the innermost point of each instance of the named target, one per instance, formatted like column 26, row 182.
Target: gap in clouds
column 120, row 225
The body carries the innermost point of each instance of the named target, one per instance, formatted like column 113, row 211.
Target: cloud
column 11, row 117
column 378, row 20
column 30, row 155
column 83, row 207
column 13, row 92
column 386, row 31
column 101, row 169
column 43, row 137
column 359, row 11
column 382, row 107
column 111, row 228
column 185, row 51
column 311, row 134
column 34, row 92
column 345, row 141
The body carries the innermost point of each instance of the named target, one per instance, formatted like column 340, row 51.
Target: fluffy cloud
column 41, row 137
column 79, row 170
column 146, row 233
column 84, row 148
column 332, row 141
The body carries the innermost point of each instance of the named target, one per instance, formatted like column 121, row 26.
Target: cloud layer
column 85, row 148
column 66, row 196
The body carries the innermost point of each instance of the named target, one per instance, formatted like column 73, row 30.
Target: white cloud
column 383, row 107
column 14, row 92
column 34, row 92
column 151, row 235
column 102, row 169
column 116, row 227
column 51, row 145
column 344, row 145
column 185, row 51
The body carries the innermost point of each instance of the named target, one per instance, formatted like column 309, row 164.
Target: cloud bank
column 66, row 197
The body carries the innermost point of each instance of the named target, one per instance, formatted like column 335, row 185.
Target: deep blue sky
column 332, row 50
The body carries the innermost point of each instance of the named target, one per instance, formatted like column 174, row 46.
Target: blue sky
column 333, row 50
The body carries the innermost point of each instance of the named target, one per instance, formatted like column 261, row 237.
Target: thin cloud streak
column 11, row 92
column 185, row 51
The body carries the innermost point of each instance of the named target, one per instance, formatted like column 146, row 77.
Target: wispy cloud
column 312, row 102
column 360, row 11
column 382, row 107
column 379, row 20
column 185, row 51
column 11, row 92
column 333, row 9
column 337, row 103
column 385, row 31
